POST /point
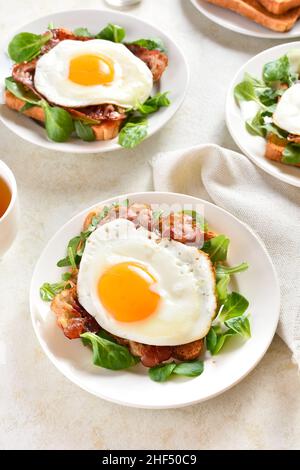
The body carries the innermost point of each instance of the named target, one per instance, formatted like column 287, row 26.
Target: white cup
column 10, row 219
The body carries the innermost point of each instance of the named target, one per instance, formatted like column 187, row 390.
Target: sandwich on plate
column 94, row 86
column 270, row 105
column 148, row 286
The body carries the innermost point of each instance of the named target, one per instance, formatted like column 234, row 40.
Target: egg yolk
column 126, row 292
column 91, row 70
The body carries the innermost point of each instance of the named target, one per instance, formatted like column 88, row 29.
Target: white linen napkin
column 269, row 206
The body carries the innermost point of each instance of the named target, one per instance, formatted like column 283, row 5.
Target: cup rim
column 10, row 179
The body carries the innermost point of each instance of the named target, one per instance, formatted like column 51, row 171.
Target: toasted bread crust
column 278, row 7
column 275, row 148
column 106, row 130
column 253, row 10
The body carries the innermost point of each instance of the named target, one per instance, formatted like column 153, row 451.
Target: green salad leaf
column 84, row 131
column 108, row 354
column 112, row 32
column 154, row 103
column 151, row 44
column 163, row 372
column 279, row 70
column 256, row 125
column 234, row 306
column 223, row 270
column 222, row 289
column 189, row 368
column 217, row 341
column 49, row 291
column 83, row 32
column 26, row 46
column 58, row 122
column 217, row 248
column 20, row 92
column 291, row 154
column 133, row 132
column 240, row 325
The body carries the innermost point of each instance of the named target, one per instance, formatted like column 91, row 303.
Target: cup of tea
column 9, row 209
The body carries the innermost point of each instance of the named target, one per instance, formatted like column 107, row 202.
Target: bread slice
column 279, row 6
column 275, row 148
column 253, row 10
column 107, row 130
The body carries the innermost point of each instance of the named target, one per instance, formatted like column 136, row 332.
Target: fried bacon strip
column 156, row 61
column 70, row 316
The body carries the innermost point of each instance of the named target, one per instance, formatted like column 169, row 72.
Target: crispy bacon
column 70, row 316
column 156, row 61
column 101, row 112
column 24, row 73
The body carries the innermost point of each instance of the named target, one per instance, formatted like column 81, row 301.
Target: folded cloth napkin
column 269, row 206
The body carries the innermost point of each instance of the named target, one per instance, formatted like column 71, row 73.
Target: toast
column 275, row 148
column 107, row 130
column 253, row 10
column 279, row 6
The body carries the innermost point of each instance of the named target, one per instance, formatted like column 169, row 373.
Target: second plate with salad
column 263, row 111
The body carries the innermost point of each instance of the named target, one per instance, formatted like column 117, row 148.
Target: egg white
column 287, row 113
column 185, row 282
column 132, row 83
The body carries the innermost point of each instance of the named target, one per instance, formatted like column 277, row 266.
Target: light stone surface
column 39, row 408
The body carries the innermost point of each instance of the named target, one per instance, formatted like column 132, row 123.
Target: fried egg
column 84, row 73
column 142, row 288
column 287, row 113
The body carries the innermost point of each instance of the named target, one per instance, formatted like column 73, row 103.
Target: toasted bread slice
column 253, row 10
column 275, row 148
column 107, row 130
column 279, row 6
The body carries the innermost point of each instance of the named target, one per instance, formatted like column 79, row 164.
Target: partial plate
column 175, row 79
column 230, row 20
column 133, row 387
column 254, row 146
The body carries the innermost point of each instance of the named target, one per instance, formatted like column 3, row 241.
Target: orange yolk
column 126, row 292
column 91, row 70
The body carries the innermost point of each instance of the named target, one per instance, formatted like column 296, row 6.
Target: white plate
column 133, row 387
column 254, row 146
column 231, row 20
column 175, row 79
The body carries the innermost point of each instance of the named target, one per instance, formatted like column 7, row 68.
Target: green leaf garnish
column 133, row 132
column 84, row 131
column 221, row 288
column 151, row 44
column 112, row 32
column 163, row 372
column 58, row 122
column 240, row 325
column 26, row 46
column 291, row 154
column 217, row 248
column 234, row 306
column 222, row 270
column 108, row 354
column 20, row 92
column 279, row 70
column 83, row 32
column 154, row 103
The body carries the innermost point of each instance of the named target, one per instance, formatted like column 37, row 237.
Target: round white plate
column 133, row 387
column 231, row 20
column 254, row 146
column 175, row 79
